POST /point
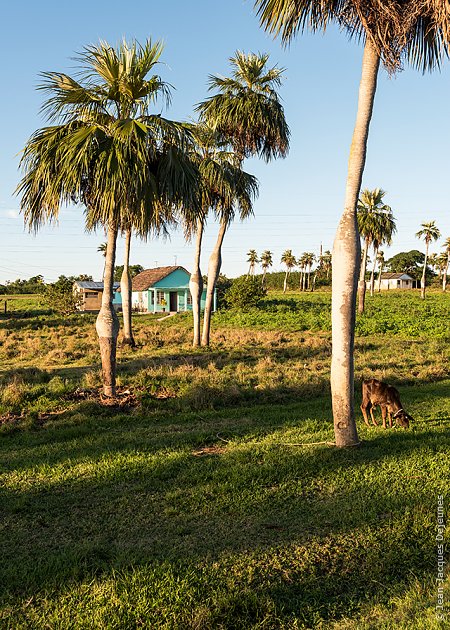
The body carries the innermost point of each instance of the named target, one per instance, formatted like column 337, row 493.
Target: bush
column 245, row 293
column 60, row 296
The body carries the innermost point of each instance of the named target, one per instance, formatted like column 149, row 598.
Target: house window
column 189, row 299
column 152, row 297
column 91, row 295
column 160, row 297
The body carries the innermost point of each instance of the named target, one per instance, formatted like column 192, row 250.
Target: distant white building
column 397, row 281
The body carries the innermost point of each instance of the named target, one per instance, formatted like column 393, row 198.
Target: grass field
column 204, row 501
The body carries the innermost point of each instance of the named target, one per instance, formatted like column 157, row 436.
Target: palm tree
column 380, row 261
column 110, row 153
column 445, row 272
column 222, row 185
column 266, row 262
column 246, row 112
column 309, row 260
column 289, row 260
column 243, row 190
column 301, row 262
column 102, row 248
column 325, row 263
column 376, row 225
column 252, row 258
column 391, row 31
column 383, row 236
column 429, row 232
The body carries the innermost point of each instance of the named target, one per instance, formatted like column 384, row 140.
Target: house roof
column 94, row 286
column 149, row 277
column 396, row 276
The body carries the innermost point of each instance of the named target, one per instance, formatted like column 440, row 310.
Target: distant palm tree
column 246, row 112
column 103, row 249
column 252, row 258
column 373, row 217
column 445, row 272
column 266, row 262
column 386, row 229
column 289, row 260
column 380, row 261
column 325, row 263
column 309, row 259
column 429, row 232
column 301, row 262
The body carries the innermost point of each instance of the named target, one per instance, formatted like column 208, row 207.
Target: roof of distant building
column 149, row 277
column 94, row 286
column 396, row 276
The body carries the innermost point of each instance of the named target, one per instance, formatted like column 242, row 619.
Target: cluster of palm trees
column 137, row 172
column 305, row 263
column 134, row 170
column 376, row 225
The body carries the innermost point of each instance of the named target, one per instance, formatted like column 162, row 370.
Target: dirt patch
column 206, row 451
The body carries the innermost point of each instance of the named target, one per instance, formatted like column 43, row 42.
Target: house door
column 173, row 301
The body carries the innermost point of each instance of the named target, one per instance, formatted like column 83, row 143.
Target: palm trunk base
column 108, row 355
column 129, row 341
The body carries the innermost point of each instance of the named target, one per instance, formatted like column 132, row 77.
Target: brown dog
column 388, row 399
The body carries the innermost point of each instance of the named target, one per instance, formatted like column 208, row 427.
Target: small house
column 397, row 281
column 91, row 295
column 164, row 289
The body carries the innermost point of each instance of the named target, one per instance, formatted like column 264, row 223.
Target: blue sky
column 301, row 197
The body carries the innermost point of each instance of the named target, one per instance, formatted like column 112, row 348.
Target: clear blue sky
column 301, row 197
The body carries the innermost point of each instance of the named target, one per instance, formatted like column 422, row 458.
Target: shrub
column 245, row 293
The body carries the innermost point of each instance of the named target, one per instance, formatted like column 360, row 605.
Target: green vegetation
column 245, row 293
column 194, row 501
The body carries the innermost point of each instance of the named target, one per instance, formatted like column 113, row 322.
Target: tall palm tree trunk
column 125, row 289
column 285, row 281
column 423, row 281
column 263, row 281
column 372, row 275
column 215, row 262
column 362, row 279
column 380, row 271
column 346, row 258
column 107, row 324
column 196, row 285
column 444, row 275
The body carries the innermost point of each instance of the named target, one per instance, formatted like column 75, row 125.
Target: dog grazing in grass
column 375, row 393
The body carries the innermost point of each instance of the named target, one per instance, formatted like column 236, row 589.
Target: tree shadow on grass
column 305, row 530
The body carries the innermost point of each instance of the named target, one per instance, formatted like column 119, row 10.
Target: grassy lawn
column 212, row 499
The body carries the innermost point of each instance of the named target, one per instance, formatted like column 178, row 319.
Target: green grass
column 203, row 506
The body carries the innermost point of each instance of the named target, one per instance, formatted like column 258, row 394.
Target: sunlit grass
column 216, row 501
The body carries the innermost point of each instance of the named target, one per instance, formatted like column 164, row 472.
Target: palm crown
column 418, row 30
column 246, row 109
column 376, row 222
column 429, row 232
column 108, row 149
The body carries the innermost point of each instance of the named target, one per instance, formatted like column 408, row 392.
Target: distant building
column 91, row 294
column 397, row 281
column 164, row 289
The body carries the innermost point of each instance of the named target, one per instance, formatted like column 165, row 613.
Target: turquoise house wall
column 178, row 279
